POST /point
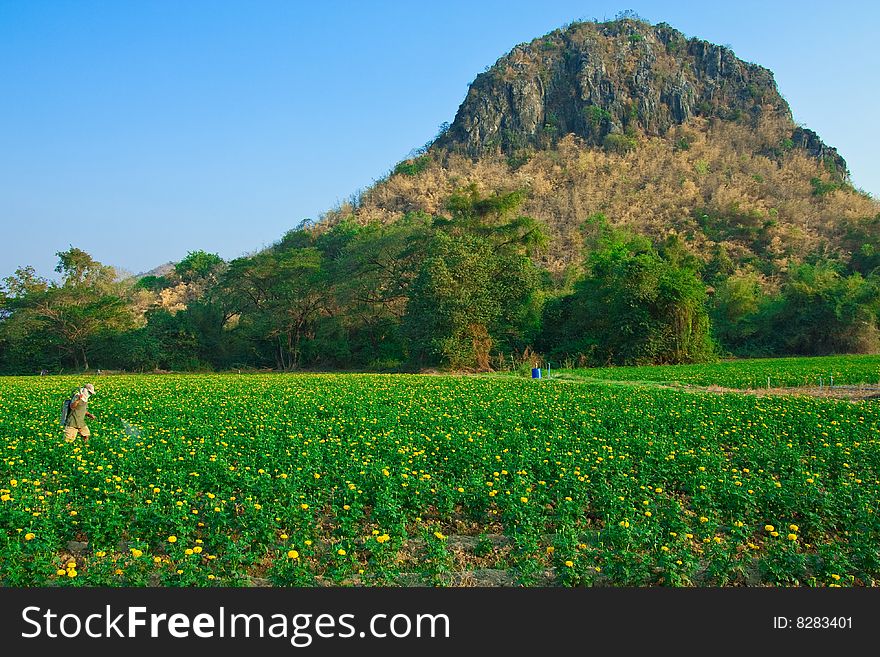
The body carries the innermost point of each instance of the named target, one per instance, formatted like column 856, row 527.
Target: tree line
column 457, row 290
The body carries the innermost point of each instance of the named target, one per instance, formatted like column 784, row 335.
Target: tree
column 821, row 311
column 64, row 318
column 79, row 270
column 494, row 218
column 372, row 275
column 22, row 283
column 24, row 343
column 198, row 265
column 735, row 313
column 279, row 294
column 632, row 307
column 469, row 301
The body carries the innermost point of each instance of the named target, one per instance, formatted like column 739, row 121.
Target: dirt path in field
column 849, row 393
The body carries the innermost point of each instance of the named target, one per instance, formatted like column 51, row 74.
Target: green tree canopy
column 633, row 307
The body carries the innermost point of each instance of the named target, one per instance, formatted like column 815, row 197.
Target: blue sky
column 139, row 131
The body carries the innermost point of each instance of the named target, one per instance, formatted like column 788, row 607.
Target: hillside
column 610, row 193
column 659, row 133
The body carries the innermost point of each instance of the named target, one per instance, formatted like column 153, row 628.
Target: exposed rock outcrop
column 624, row 78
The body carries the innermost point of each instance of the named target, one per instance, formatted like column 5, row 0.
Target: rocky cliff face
column 607, row 83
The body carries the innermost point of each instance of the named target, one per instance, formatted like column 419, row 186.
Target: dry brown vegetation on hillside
column 712, row 182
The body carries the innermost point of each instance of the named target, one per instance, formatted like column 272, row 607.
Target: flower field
column 200, row 480
column 753, row 373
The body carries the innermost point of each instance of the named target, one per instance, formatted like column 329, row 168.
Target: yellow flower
column 704, row 519
column 187, row 551
column 293, row 554
column 197, row 549
column 793, row 528
column 172, row 539
column 439, row 535
column 774, row 533
column 835, row 577
column 157, row 559
column 551, row 549
column 29, row 536
column 136, row 553
column 61, row 571
column 71, row 573
column 648, row 514
column 769, row 528
column 341, row 552
column 303, row 506
column 524, row 500
column 569, row 563
column 100, row 553
column 792, row 537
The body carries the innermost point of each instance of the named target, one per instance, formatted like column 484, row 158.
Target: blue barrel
column 536, row 372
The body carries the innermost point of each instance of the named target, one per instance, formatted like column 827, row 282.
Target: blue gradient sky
column 139, row 131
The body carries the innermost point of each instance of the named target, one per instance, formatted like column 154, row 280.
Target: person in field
column 75, row 424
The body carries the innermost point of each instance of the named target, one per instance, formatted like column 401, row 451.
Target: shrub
column 617, row 143
column 412, row 167
column 821, row 187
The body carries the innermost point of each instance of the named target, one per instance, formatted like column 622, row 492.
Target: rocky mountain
column 599, row 81
column 161, row 270
column 661, row 134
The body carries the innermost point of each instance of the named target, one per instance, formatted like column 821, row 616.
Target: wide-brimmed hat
column 90, row 388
